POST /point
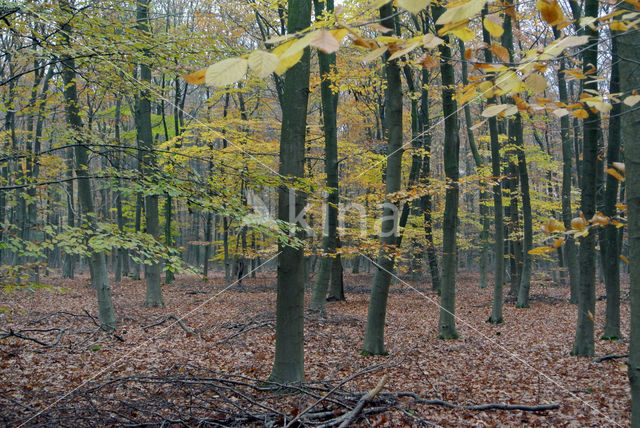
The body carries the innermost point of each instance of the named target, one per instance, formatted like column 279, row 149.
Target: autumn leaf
column 550, row 11
column 578, row 223
column 501, row 52
column 619, row 166
column 226, row 72
column 494, row 110
column 461, row 12
column 536, row 83
column 196, row 78
column 614, row 172
column 263, row 63
column 430, row 41
column 541, row 250
column 580, row 113
column 414, row 6
column 493, row 23
column 632, row 100
column 325, row 42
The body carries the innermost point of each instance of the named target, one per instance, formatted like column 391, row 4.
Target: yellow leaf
column 341, row 32
column 287, row 62
column 414, row 6
column 578, row 223
column 377, row 4
column 430, row 41
column 601, row 106
column 501, row 52
column 600, row 219
column 263, row 63
column 511, row 110
column 555, row 226
column 580, row 113
column 576, row 73
column 591, row 316
column 550, row 11
column 404, row 51
column 624, row 259
column 631, row 100
column 619, row 166
column 461, row 12
column 325, row 42
column 226, row 72
column 300, row 44
column 541, row 250
column 486, row 89
column 621, row 207
column 536, row 82
column 196, row 78
column 467, row 96
column 507, row 81
column 374, row 54
column 618, row 26
column 464, row 34
column 614, row 172
column 493, row 24
column 558, row 242
column 560, row 112
column 494, row 110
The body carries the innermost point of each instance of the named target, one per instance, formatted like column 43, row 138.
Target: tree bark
column 584, row 341
column 288, row 364
column 329, row 261
column 374, row 334
column 97, row 260
column 447, row 322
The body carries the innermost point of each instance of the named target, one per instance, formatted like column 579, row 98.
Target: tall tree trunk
column 571, row 255
column 525, row 276
column 97, row 260
column 629, row 56
column 374, row 333
column 425, row 201
column 498, row 281
column 609, row 246
column 145, row 141
column 288, row 364
column 484, row 211
column 329, row 122
column 584, row 341
column 447, row 322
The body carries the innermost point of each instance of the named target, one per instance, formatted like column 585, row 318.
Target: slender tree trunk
column 288, row 364
column 525, row 276
column 425, row 201
column 97, row 260
column 584, row 340
column 447, row 322
column 629, row 56
column 609, row 246
column 145, row 141
column 484, row 211
column 571, row 254
column 374, row 334
column 329, row 263
column 496, row 311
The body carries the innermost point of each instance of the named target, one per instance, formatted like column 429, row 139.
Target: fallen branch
column 177, row 320
column 18, row 334
column 489, row 406
column 609, row 357
column 348, row 418
column 103, row 327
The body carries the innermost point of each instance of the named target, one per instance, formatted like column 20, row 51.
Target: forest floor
column 211, row 370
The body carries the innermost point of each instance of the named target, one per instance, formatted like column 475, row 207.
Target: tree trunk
column 525, row 276
column 145, row 141
column 374, row 333
column 288, row 364
column 496, row 311
column 97, row 260
column 584, row 341
column 329, row 263
column 447, row 322
column 570, row 249
column 609, row 246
